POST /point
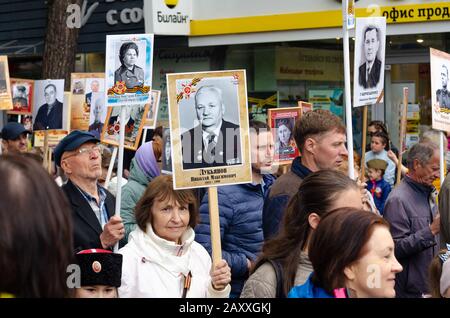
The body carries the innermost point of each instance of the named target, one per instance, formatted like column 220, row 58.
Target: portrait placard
column 305, row 107
column 260, row 102
column 370, row 48
column 134, row 118
column 440, row 95
column 129, row 63
column 82, row 87
column 282, row 123
column 5, row 85
column 55, row 135
column 48, row 105
column 22, row 96
column 209, row 128
column 152, row 115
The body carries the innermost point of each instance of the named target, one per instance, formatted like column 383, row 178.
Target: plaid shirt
column 99, row 209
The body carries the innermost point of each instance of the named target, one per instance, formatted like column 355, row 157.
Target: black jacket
column 193, row 148
column 86, row 227
column 52, row 121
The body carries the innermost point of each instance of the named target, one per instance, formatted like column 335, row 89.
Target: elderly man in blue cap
column 14, row 138
column 95, row 226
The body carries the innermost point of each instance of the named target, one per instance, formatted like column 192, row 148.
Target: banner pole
column 120, row 165
column 348, row 98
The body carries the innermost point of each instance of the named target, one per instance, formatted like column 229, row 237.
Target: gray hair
column 209, row 88
column 423, row 151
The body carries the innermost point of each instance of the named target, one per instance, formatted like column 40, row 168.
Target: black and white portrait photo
column 440, row 95
column 369, row 60
column 209, row 131
column 98, row 113
column 129, row 63
column 215, row 138
column 48, row 105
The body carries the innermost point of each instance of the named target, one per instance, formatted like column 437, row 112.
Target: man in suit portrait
column 50, row 114
column 215, row 141
column 369, row 72
column 442, row 94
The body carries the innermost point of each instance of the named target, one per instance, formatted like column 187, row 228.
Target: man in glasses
column 93, row 207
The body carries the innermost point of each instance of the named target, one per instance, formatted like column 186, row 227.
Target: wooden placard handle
column 214, row 222
column 364, row 143
column 402, row 133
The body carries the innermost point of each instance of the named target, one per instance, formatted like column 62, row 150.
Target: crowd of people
column 307, row 232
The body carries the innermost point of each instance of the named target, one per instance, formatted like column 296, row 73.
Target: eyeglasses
column 97, row 148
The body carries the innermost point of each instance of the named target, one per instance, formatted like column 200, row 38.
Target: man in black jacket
column 95, row 225
column 215, row 141
column 50, row 114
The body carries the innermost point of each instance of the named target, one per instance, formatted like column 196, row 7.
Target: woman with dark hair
column 35, row 231
column 161, row 259
column 352, row 253
column 285, row 142
column 284, row 261
column 129, row 73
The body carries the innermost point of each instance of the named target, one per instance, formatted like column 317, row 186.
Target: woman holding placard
column 162, row 260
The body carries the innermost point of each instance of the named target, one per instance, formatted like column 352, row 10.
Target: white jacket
column 154, row 268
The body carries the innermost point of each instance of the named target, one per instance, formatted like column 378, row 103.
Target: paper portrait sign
column 5, row 85
column 282, row 123
column 166, row 157
column 134, row 118
column 370, row 48
column 55, row 135
column 209, row 128
column 152, row 115
column 82, row 87
column 129, row 63
column 48, row 105
column 440, row 94
column 260, row 102
column 22, row 91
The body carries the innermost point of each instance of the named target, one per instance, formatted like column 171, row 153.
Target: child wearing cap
column 439, row 274
column 377, row 186
column 101, row 273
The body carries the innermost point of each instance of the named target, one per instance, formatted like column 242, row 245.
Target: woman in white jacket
column 161, row 259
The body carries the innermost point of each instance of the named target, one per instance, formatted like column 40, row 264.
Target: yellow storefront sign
column 323, row 19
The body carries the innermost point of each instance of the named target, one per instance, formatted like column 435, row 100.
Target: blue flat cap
column 71, row 142
column 13, row 130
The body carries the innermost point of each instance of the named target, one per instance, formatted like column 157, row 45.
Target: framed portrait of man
column 440, row 94
column 5, row 85
column 166, row 157
column 55, row 135
column 49, row 108
column 134, row 119
column 370, row 48
column 22, row 96
column 209, row 128
column 129, row 63
column 282, row 123
column 152, row 115
column 82, row 87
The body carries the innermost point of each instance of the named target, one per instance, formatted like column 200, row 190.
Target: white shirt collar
column 216, row 133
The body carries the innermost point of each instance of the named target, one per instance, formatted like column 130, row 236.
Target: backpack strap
column 279, row 275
